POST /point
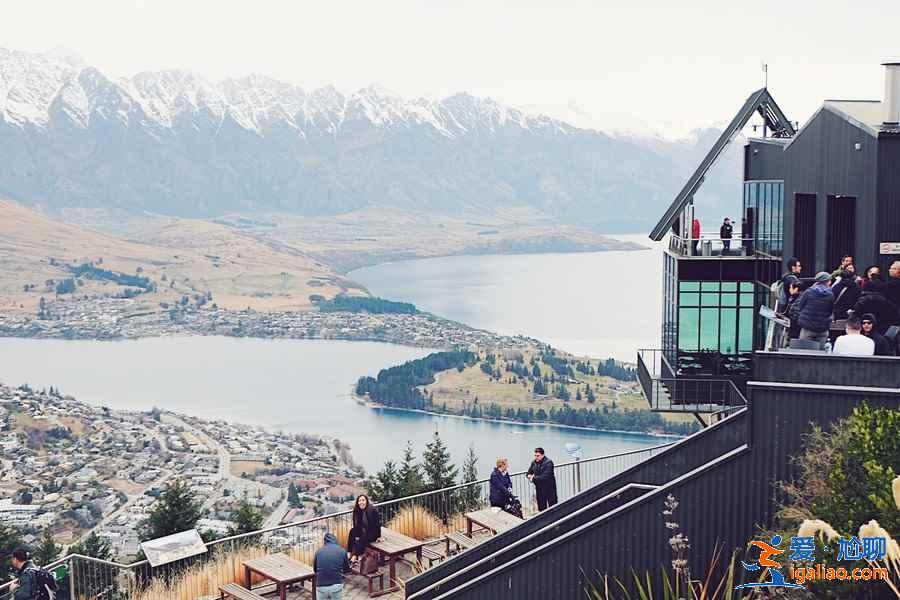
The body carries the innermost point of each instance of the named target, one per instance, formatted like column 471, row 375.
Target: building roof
column 865, row 114
column 760, row 102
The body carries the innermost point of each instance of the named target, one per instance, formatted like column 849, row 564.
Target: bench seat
column 238, row 592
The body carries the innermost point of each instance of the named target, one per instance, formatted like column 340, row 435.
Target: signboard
column 165, row 550
column 890, row 247
column 767, row 313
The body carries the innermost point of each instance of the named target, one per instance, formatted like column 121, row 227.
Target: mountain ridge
column 174, row 143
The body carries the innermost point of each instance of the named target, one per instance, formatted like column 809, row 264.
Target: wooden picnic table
column 281, row 569
column 394, row 545
column 491, row 519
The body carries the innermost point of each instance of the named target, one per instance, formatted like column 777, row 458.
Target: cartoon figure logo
column 766, row 551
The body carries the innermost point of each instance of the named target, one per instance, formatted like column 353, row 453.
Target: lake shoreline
column 375, row 405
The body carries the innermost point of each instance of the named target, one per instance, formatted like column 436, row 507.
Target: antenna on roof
column 765, row 70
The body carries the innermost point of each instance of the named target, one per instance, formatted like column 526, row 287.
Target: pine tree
column 440, row 472
column 176, row 510
column 93, row 546
column 293, row 497
column 578, row 395
column 47, row 551
column 10, row 539
column 409, row 474
column 471, row 496
column 246, row 518
column 385, row 485
column 590, row 395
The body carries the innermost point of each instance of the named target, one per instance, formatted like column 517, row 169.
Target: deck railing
column 668, row 392
column 425, row 516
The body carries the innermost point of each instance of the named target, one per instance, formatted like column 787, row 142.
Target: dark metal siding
column 822, row 160
column 888, row 221
column 763, row 161
column 723, row 503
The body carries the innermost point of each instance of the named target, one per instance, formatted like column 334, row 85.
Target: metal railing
column 665, row 391
column 708, row 245
column 426, row 516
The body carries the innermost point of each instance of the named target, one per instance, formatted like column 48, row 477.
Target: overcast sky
column 666, row 63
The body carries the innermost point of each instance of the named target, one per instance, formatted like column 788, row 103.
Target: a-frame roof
column 760, row 102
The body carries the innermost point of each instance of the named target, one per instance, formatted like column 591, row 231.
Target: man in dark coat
column 540, row 473
column 25, row 587
column 874, row 301
column 816, row 306
column 891, row 288
column 725, row 232
column 870, row 330
column 846, row 293
column 330, row 565
column 792, row 276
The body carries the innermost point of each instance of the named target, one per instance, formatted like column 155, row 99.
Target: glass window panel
column 710, row 286
column 709, row 328
column 729, row 286
column 729, row 299
column 746, row 299
column 746, row 286
column 688, row 299
column 688, row 328
column 689, row 286
column 728, row 336
column 709, row 299
column 745, row 333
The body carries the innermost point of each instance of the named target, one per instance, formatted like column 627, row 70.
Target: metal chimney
column 891, row 102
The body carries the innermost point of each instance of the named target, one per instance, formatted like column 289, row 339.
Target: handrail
column 133, row 568
column 405, row 499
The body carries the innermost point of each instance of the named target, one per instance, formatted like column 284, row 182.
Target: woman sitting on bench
column 366, row 528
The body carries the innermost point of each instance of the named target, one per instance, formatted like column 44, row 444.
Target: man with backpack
column 33, row 583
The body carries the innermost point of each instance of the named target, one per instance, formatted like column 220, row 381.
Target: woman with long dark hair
column 366, row 527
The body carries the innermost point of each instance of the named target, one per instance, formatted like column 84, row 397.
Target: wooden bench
column 370, row 578
column 238, row 592
column 432, row 556
column 462, row 541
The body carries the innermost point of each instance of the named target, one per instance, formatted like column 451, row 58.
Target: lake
column 291, row 385
column 598, row 303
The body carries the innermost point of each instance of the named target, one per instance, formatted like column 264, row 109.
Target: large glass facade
column 715, row 316
column 763, row 210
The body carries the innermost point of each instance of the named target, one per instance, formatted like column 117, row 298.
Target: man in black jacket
column 25, row 586
column 540, row 473
column 330, row 565
column 870, row 330
column 725, row 232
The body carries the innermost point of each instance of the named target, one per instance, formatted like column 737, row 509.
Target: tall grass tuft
column 416, row 522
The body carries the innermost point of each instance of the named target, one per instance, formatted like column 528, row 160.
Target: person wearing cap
column 854, row 342
column 725, row 232
column 815, row 308
column 870, row 330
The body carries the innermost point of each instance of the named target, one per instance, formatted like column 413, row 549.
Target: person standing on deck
column 540, row 473
column 725, row 232
column 695, row 235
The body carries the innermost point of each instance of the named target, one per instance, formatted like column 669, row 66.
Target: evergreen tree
column 47, row 551
column 589, row 396
column 539, row 388
column 293, row 497
column 176, row 510
column 246, row 518
column 578, row 395
column 409, row 474
column 9, row 541
column 93, row 546
column 385, row 485
column 471, row 496
column 439, row 471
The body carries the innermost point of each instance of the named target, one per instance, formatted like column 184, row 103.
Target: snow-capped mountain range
column 176, row 143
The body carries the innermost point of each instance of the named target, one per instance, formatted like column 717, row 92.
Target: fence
column 425, row 516
column 667, row 392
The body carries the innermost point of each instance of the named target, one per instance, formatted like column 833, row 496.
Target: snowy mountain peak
column 39, row 89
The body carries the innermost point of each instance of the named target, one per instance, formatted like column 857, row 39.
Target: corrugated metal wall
column 823, row 160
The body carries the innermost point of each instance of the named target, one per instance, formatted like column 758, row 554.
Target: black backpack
column 44, row 584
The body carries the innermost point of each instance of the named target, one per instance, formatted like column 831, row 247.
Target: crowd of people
column 865, row 305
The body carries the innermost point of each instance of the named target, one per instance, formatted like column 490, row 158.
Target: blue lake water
column 598, row 303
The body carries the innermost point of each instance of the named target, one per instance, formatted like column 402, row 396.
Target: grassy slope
column 199, row 256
